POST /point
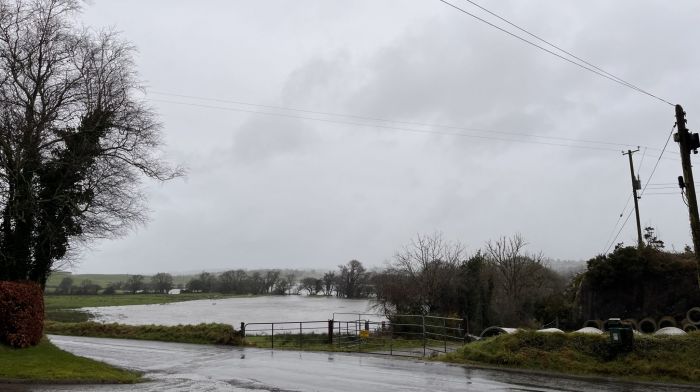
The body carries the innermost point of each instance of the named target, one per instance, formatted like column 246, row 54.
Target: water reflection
column 233, row 310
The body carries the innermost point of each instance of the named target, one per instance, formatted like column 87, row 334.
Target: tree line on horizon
column 501, row 284
column 351, row 280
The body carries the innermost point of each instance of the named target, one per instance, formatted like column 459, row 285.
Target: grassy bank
column 62, row 308
column 47, row 363
column 661, row 359
column 198, row 334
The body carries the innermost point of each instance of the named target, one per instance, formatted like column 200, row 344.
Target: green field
column 47, row 363
column 104, row 279
column 654, row 358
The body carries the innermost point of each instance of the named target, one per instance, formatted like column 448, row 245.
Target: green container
column 621, row 335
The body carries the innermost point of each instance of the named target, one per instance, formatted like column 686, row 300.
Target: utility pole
column 635, row 186
column 689, row 141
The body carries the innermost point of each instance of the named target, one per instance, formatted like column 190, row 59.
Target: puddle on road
column 182, row 367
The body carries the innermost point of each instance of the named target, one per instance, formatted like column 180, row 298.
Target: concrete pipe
column 667, row 321
column 687, row 326
column 495, row 331
column 594, row 324
column 632, row 323
column 693, row 316
column 648, row 325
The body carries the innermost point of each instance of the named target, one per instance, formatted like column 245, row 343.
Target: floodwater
column 187, row 367
column 233, row 310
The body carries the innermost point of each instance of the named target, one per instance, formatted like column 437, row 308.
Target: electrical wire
column 622, row 213
column 658, row 160
column 662, row 193
column 620, row 231
column 641, row 161
column 401, row 129
column 594, row 69
column 644, row 189
column 620, row 80
column 375, row 119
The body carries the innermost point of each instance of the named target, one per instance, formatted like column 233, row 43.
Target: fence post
column 273, row 335
column 391, row 338
column 300, row 335
column 366, row 325
column 444, row 333
column 464, row 329
column 423, row 321
column 242, row 329
column 330, row 332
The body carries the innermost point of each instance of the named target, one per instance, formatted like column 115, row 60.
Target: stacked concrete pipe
column 687, row 326
column 594, row 324
column 632, row 323
column 667, row 321
column 693, row 315
column 648, row 325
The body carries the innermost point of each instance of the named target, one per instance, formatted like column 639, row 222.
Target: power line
column 651, row 187
column 663, row 193
column 658, row 160
column 622, row 213
column 473, row 130
column 644, row 189
column 620, row 80
column 383, row 120
column 669, row 183
column 594, row 69
column 402, row 129
column 639, row 167
column 620, row 231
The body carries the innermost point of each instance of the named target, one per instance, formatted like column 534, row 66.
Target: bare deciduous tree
column 521, row 275
column 429, row 264
column 329, row 280
column 516, row 268
column 162, row 282
column 74, row 138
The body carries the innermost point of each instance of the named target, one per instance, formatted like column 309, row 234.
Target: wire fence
column 406, row 335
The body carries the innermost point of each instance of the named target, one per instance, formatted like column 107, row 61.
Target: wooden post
column 683, row 137
column 635, row 186
column 330, row 332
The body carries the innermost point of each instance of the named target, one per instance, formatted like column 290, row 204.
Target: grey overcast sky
column 285, row 190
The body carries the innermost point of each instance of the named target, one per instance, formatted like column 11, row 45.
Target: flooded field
column 233, row 310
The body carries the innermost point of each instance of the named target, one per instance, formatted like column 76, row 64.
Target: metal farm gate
column 406, row 335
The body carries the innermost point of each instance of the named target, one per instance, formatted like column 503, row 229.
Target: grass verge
column 47, row 363
column 319, row 342
column 657, row 358
column 197, row 334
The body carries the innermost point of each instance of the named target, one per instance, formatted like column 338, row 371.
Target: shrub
column 21, row 313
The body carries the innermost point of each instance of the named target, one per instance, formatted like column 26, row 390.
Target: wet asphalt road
column 185, row 367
